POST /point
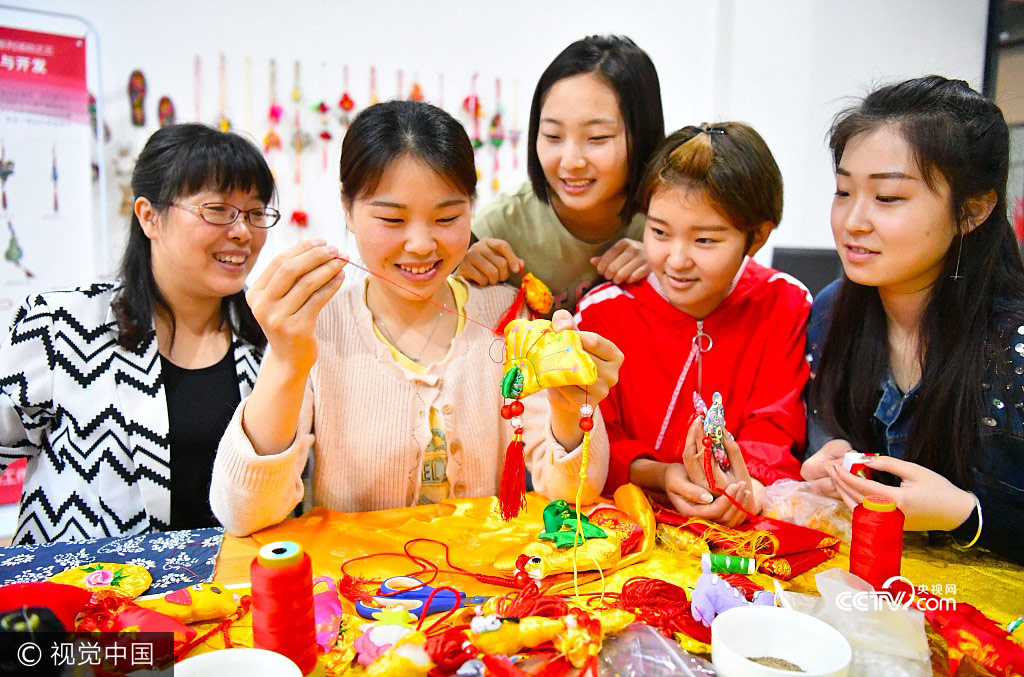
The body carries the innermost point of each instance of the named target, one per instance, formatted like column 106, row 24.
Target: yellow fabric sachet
column 545, row 358
column 194, row 604
column 125, row 579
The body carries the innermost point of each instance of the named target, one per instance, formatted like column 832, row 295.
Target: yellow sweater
column 367, row 421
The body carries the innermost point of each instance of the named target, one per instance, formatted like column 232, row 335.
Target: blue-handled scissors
column 410, row 594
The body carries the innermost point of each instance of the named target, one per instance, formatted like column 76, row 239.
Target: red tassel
column 512, row 492
column 353, row 590
column 512, row 312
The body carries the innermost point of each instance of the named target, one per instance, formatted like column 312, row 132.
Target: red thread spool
column 282, row 603
column 877, row 545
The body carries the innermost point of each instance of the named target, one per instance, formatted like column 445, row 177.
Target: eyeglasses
column 221, row 214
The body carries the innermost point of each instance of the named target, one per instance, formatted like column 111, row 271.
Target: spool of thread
column 877, row 545
column 728, row 564
column 282, row 603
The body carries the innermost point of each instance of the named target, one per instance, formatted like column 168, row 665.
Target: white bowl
column 756, row 631
column 254, row 661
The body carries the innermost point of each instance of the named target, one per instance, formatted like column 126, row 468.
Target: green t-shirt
column 550, row 251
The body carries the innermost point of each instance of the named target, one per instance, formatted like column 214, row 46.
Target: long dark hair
column 958, row 136
column 387, row 131
column 178, row 161
column 631, row 74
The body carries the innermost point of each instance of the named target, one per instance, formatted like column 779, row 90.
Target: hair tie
column 711, row 129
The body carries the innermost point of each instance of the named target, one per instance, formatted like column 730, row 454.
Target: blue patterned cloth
column 175, row 559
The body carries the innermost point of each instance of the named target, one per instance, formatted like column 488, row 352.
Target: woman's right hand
column 288, row 296
column 489, row 261
column 816, row 468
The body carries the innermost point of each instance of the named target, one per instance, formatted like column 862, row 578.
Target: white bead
column 586, row 410
column 516, row 422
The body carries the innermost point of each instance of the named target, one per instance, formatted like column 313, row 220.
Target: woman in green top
column 595, row 119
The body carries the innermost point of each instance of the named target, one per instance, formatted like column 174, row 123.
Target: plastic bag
column 641, row 651
column 886, row 642
column 796, row 502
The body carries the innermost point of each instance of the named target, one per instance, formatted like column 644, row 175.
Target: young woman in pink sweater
column 398, row 399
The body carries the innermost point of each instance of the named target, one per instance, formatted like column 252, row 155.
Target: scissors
column 410, row 594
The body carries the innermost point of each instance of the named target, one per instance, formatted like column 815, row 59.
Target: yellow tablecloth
column 475, row 534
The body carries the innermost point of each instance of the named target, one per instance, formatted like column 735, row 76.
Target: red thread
column 709, row 475
column 282, row 611
column 244, row 604
column 877, row 544
column 529, row 602
column 420, row 296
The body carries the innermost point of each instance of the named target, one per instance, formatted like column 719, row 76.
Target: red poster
column 43, row 74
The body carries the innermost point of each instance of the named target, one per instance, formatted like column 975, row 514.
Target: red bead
column 586, row 423
column 506, row 412
column 517, row 407
column 521, row 578
column 707, row 442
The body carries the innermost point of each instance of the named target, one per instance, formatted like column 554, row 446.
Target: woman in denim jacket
column 917, row 353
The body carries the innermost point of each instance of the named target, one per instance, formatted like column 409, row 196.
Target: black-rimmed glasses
column 221, row 214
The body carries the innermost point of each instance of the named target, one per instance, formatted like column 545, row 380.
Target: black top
column 200, row 403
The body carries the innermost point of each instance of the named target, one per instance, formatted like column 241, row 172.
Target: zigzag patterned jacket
column 90, row 417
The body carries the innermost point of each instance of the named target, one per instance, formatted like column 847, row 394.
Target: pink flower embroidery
column 99, row 578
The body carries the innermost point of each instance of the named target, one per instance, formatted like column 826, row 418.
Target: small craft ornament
column 471, row 107
column 714, row 426
column 165, row 112
column 516, row 132
column 416, row 93
column 713, row 595
column 535, row 294
column 124, row 579
column 327, row 612
column 137, row 97
column 223, row 124
column 853, row 462
column 373, row 86
column 345, row 104
column 496, row 134
column 537, row 357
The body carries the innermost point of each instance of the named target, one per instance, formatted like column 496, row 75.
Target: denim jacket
column 998, row 477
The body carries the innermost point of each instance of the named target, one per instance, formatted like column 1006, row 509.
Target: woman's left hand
column 929, row 501
column 567, row 400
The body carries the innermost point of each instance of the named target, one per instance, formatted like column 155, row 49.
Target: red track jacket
column 756, row 360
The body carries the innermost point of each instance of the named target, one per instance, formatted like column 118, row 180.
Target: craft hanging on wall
column 416, row 93
column 516, row 131
column 373, row 86
column 223, row 124
column 137, row 97
column 13, row 254
column 496, row 134
column 271, row 140
column 473, row 111
column 197, row 81
column 325, row 117
column 165, row 112
column 53, row 175
column 301, row 140
column 345, row 104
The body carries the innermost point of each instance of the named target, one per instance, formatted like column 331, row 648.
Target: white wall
column 781, row 66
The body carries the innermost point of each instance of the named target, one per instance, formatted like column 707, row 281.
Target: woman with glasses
column 117, row 393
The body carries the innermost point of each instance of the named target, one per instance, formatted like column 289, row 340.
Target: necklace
column 388, row 335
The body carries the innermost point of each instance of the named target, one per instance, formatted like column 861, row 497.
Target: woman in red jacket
column 708, row 319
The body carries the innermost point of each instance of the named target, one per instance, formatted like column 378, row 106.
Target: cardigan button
column 460, row 488
column 447, row 408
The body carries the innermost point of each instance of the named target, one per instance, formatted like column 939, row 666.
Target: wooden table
column 235, row 558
